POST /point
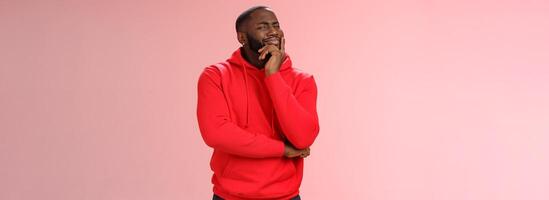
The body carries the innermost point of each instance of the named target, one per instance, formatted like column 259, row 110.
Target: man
column 258, row 113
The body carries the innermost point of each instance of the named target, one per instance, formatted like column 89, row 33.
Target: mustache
column 269, row 38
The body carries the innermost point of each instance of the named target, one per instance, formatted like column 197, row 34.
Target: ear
column 241, row 36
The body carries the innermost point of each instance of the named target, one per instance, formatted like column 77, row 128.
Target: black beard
column 254, row 44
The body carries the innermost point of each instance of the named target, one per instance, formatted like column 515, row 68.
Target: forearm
column 228, row 137
column 220, row 132
column 297, row 115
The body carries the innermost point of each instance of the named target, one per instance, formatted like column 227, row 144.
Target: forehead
column 262, row 15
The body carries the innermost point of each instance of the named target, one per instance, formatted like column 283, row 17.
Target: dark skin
column 262, row 27
column 263, row 46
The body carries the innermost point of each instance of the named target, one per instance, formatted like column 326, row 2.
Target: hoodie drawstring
column 272, row 121
column 245, row 74
column 247, row 101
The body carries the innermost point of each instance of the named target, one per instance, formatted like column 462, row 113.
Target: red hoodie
column 246, row 117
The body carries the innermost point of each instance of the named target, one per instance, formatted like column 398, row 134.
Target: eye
column 262, row 27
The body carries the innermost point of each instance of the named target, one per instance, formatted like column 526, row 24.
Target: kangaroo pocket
column 258, row 176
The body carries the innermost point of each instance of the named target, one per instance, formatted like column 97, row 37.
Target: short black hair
column 244, row 16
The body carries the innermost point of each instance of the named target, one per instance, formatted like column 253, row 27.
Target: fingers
column 305, row 153
column 300, row 153
column 268, row 49
column 262, row 48
column 291, row 152
column 263, row 54
column 294, row 155
column 264, row 51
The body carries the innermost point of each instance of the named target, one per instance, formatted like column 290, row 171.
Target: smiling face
column 262, row 28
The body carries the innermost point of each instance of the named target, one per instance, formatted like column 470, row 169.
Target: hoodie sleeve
column 296, row 113
column 217, row 128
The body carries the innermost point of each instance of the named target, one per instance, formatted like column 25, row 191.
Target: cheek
column 261, row 36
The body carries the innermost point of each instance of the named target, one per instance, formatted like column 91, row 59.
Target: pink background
column 441, row 100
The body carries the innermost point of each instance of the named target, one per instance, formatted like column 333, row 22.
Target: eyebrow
column 267, row 23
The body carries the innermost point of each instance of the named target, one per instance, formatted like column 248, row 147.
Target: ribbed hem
column 227, row 196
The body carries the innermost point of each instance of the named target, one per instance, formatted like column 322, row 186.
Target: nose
column 272, row 31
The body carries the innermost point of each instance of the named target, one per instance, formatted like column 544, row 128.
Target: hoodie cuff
column 282, row 151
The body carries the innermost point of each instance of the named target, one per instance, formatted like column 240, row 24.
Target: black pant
column 215, row 197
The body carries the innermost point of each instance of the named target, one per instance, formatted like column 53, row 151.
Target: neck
column 252, row 57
